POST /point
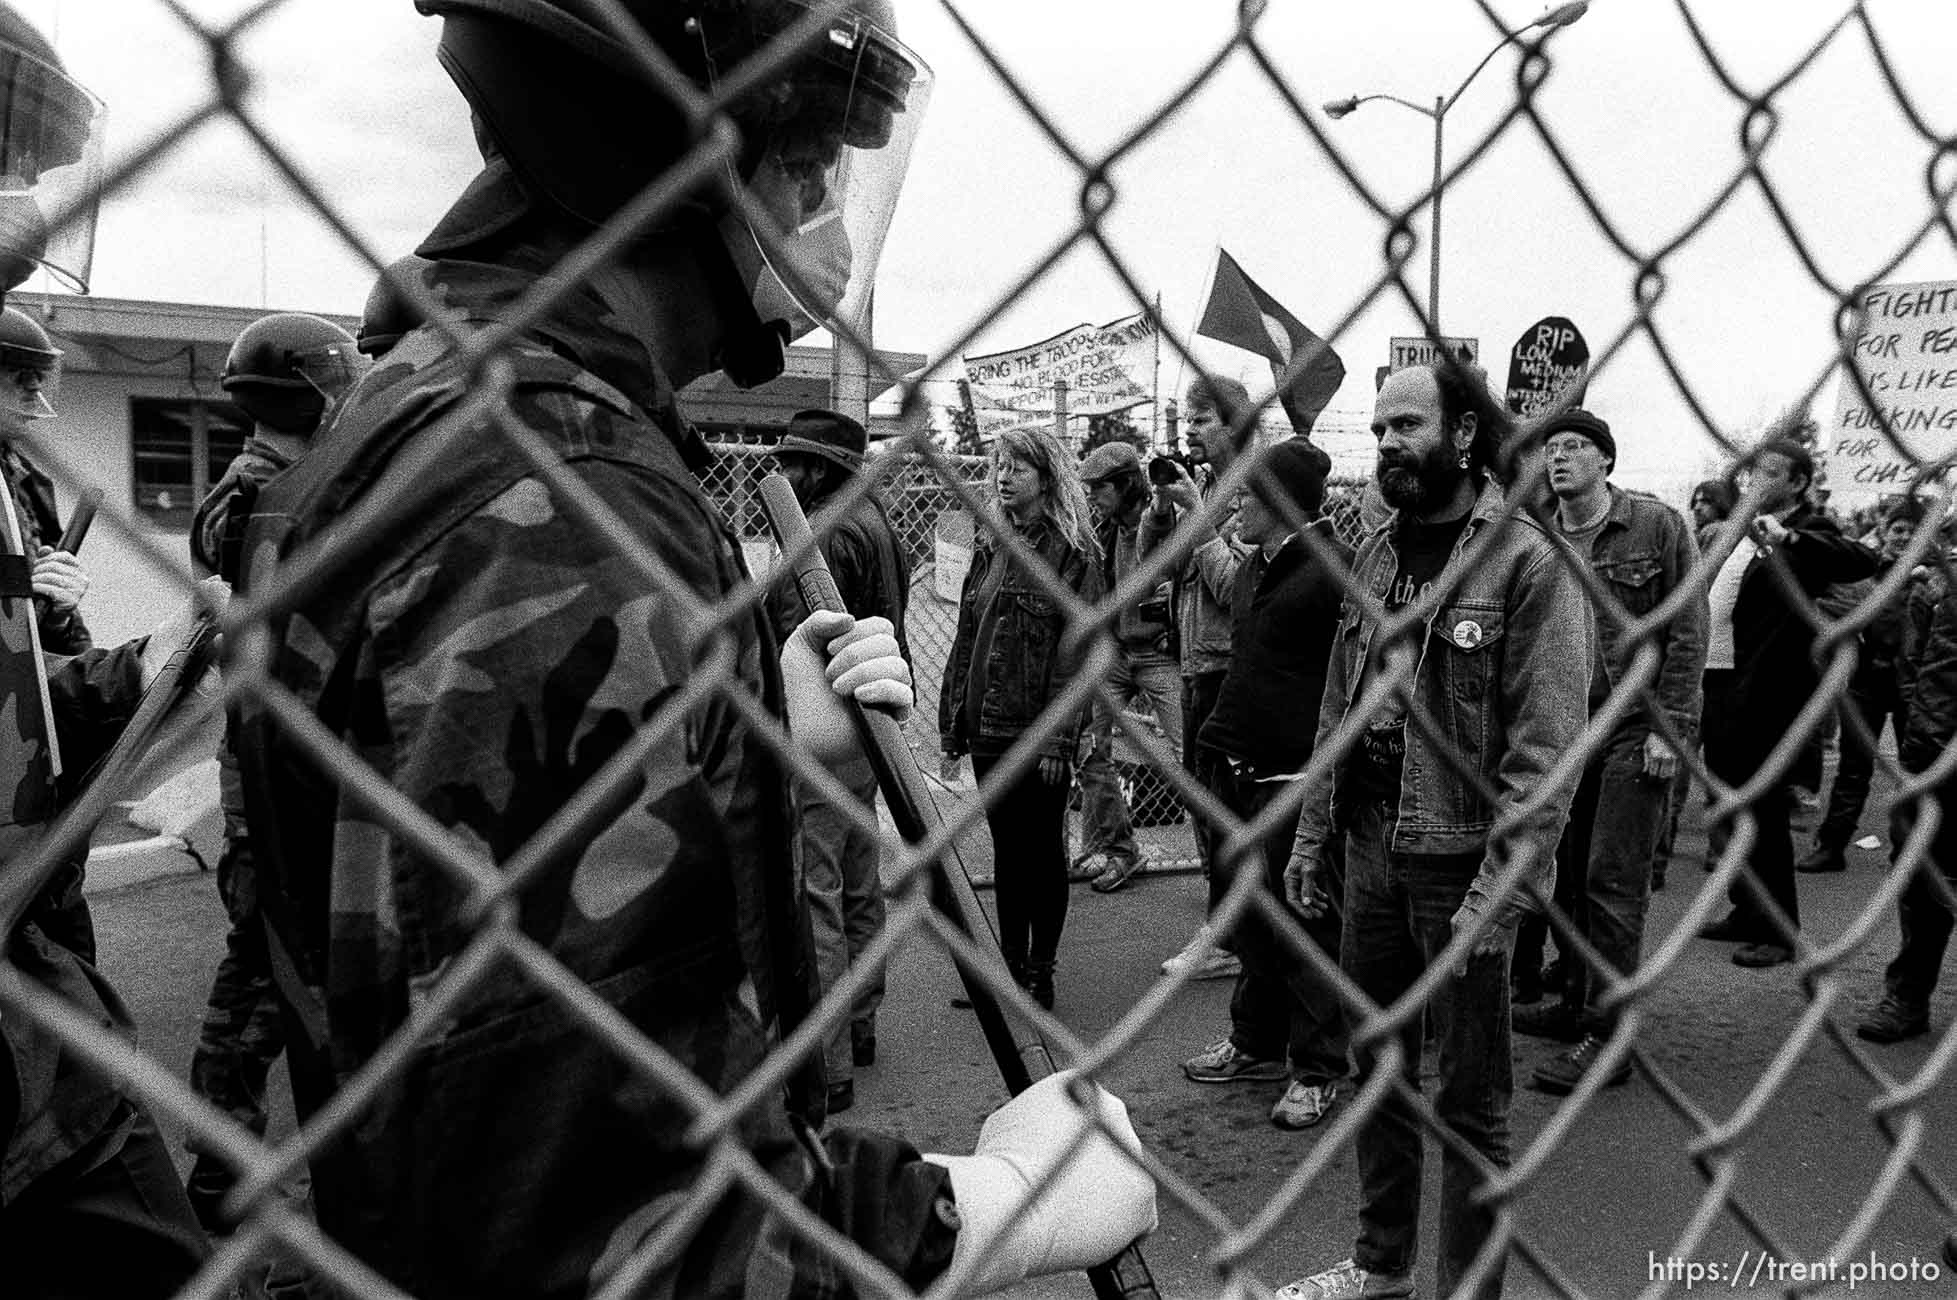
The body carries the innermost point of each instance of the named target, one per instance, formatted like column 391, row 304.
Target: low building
column 143, row 418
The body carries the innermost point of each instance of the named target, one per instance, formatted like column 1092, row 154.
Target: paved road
column 1617, row 1192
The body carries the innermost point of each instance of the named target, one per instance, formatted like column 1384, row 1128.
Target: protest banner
column 1905, row 353
column 1105, row 367
column 1550, row 357
column 1419, row 350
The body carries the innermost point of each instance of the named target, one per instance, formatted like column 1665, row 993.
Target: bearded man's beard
column 1418, row 482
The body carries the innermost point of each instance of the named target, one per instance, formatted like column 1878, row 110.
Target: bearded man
column 1481, row 628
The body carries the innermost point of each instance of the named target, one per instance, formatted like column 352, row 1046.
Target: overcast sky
column 1635, row 106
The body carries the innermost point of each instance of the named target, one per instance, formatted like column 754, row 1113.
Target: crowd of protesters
column 1438, row 746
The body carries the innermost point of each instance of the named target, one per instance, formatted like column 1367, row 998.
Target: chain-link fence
column 936, row 532
column 504, row 698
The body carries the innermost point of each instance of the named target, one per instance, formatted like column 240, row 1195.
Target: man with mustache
column 1640, row 551
column 1468, row 612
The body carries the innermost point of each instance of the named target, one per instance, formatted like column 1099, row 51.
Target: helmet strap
column 752, row 351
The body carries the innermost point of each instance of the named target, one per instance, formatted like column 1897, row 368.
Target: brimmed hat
column 1110, row 460
column 828, row 434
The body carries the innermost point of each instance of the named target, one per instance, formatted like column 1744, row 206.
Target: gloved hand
column 832, row 657
column 1098, row 1204
column 59, row 579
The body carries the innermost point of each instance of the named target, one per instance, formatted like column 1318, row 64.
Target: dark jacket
column 1774, row 672
column 33, row 492
column 867, row 562
column 1027, row 666
column 1643, row 554
column 1504, row 674
column 484, row 657
column 1283, row 615
column 1930, row 692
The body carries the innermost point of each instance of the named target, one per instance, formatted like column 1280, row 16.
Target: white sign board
column 1106, row 368
column 1420, row 351
column 1906, row 355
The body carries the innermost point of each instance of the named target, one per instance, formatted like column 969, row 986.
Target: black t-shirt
column 1373, row 772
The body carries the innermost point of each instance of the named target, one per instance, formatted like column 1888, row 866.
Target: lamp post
column 1561, row 16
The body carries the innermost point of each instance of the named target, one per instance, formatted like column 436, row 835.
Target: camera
column 1162, row 468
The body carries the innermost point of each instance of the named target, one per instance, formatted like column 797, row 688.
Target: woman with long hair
column 1006, row 664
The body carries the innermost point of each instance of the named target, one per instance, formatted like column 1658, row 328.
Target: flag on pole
column 1244, row 316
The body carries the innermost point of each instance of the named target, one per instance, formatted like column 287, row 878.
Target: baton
column 1021, row 1054
column 78, row 522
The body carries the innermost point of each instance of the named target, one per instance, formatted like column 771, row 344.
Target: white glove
column 1099, row 1203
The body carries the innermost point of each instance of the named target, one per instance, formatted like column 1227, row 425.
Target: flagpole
column 1155, row 384
column 1182, row 354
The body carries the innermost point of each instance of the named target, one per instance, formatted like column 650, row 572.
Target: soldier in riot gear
column 488, row 650
column 89, row 1203
column 285, row 371
column 390, row 311
column 29, row 369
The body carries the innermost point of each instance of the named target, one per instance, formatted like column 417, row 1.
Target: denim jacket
column 1504, row 674
column 1203, row 581
column 1644, row 553
column 1026, row 668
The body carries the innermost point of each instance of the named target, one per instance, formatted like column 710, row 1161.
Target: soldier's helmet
column 51, row 132
column 30, row 366
column 390, row 311
column 806, row 198
column 286, row 369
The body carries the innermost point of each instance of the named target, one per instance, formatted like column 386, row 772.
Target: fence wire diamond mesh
column 501, row 955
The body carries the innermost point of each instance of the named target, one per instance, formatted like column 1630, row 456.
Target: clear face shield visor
column 51, row 142
column 332, row 369
column 28, row 391
column 816, row 209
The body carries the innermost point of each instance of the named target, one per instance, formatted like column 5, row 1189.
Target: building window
column 182, row 446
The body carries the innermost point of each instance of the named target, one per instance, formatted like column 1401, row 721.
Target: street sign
column 1421, row 351
column 1549, row 357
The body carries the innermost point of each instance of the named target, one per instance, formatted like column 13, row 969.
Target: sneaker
column 1086, row 867
column 1892, row 1022
column 1221, row 1062
column 1550, row 1020
column 1822, row 858
column 1204, row 960
column 1558, row 1076
column 1345, row 1280
column 1116, row 874
column 1758, row 956
column 1304, row 1104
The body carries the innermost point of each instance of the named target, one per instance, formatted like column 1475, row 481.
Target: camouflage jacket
column 217, row 529
column 485, row 648
column 51, row 1105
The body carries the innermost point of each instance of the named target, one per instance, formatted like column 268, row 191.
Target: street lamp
column 1561, row 16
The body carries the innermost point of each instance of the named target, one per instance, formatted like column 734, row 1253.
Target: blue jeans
column 1603, row 868
column 1280, row 1008
column 1398, row 913
column 1146, row 674
column 839, row 877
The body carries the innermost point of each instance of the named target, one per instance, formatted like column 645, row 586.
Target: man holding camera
column 1145, row 669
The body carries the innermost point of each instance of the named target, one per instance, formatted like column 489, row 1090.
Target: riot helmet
column 30, row 366
column 825, row 132
column 390, row 311
column 285, row 370
column 51, row 132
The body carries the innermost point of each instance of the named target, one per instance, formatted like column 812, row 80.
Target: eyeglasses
column 1567, row 446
